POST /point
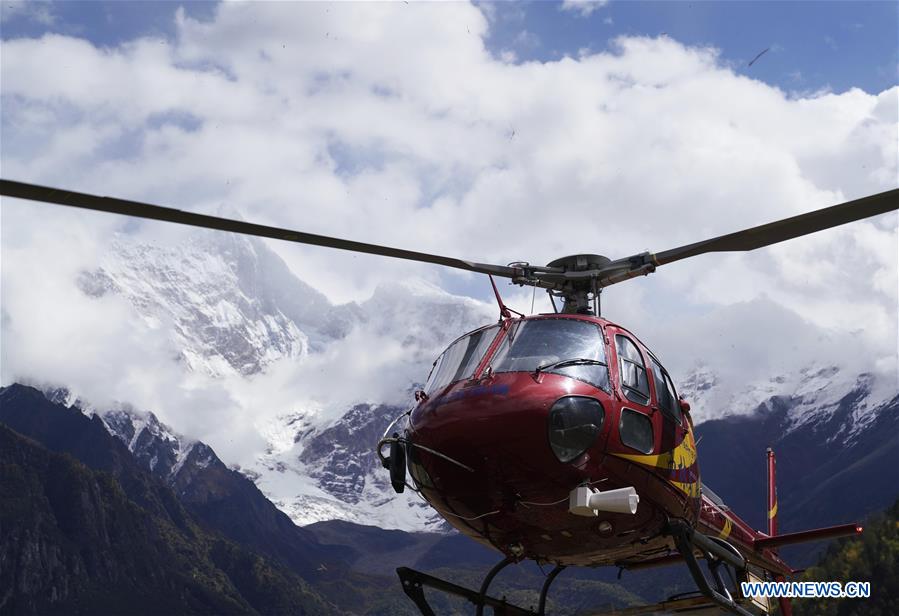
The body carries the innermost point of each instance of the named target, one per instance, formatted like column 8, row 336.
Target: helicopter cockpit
column 460, row 359
column 564, row 346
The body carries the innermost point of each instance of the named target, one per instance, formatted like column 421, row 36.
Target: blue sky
column 811, row 45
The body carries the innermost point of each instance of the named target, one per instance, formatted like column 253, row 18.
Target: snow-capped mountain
column 156, row 447
column 324, row 474
column 234, row 306
column 814, row 390
column 234, row 310
column 334, row 473
column 153, row 444
column 836, row 461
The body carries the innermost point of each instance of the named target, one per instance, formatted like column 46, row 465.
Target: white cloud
column 584, row 8
column 390, row 123
column 29, row 10
column 508, row 56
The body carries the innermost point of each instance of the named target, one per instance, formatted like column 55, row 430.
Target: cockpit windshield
column 460, row 359
column 569, row 347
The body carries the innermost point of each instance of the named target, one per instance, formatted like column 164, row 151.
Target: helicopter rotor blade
column 788, row 228
column 755, row 237
column 552, row 278
column 32, row 192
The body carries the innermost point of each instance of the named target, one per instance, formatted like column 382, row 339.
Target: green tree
column 872, row 558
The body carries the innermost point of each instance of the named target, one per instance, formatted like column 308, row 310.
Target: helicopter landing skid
column 414, row 583
column 716, row 554
column 686, row 539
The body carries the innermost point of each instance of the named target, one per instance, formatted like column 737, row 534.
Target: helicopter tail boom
column 806, row 536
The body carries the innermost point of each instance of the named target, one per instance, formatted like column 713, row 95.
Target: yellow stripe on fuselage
column 728, row 525
column 681, row 457
column 690, row 489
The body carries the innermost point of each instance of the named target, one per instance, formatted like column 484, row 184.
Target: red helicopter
column 560, row 437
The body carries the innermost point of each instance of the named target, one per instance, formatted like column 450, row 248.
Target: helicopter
column 560, row 437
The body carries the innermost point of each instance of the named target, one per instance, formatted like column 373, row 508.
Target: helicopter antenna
column 504, row 311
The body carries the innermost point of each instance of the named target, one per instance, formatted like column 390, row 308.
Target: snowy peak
column 65, row 397
column 324, row 472
column 232, row 308
column 342, row 456
column 191, row 468
column 813, row 392
column 834, row 461
column 232, row 304
column 698, row 386
column 424, row 317
column 311, row 472
column 154, row 445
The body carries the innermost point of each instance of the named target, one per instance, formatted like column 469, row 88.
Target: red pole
column 786, row 609
column 772, row 495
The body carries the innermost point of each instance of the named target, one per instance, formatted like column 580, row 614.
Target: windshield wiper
column 575, row 361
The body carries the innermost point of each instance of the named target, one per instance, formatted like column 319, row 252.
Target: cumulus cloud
column 391, row 123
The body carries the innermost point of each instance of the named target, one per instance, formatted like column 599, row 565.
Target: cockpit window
column 569, row 347
column 460, row 359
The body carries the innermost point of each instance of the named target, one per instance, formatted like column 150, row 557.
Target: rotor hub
column 579, row 294
column 580, row 263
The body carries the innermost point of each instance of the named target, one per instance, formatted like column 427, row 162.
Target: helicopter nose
column 544, row 434
column 558, row 428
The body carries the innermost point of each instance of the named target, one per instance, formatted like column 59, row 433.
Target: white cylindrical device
column 588, row 501
column 622, row 500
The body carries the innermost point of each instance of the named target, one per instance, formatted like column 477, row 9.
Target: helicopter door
column 638, row 426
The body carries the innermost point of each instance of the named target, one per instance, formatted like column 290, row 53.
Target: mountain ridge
column 76, row 539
